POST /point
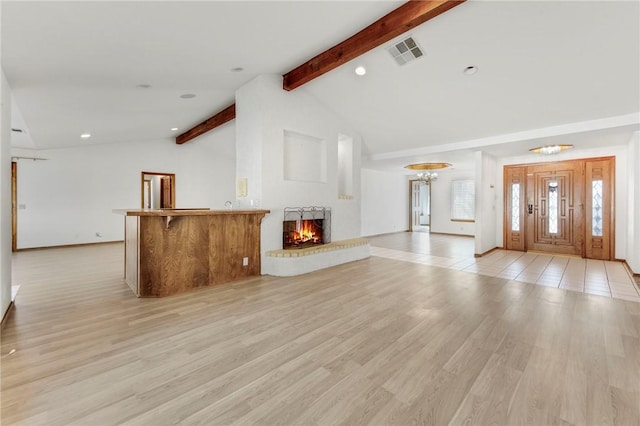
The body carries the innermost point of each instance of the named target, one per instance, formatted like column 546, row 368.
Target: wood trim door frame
column 603, row 246
column 608, row 165
column 411, row 204
column 14, row 206
column 172, row 176
column 514, row 239
column 411, row 182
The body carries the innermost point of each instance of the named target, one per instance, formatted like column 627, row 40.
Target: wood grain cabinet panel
column 182, row 252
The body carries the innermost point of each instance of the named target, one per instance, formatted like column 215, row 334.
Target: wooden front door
column 563, row 207
column 556, row 222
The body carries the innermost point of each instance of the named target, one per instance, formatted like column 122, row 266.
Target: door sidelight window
column 596, row 208
column 515, row 206
column 552, row 214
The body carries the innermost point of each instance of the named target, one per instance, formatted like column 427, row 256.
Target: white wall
column 5, row 195
column 621, row 187
column 385, row 202
column 441, row 204
column 264, row 112
column 69, row 198
column 633, row 225
column 249, row 141
column 486, row 198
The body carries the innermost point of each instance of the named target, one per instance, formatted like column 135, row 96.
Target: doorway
column 420, row 220
column 158, row 190
column 562, row 207
column 14, row 206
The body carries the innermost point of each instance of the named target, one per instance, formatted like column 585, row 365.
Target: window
column 463, row 200
column 553, row 207
column 596, row 210
column 515, row 207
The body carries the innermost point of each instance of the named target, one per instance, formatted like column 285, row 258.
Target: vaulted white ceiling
column 565, row 70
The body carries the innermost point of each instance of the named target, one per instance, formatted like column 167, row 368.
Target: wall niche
column 345, row 167
column 305, row 158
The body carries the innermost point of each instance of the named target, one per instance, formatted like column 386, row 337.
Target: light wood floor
column 378, row 341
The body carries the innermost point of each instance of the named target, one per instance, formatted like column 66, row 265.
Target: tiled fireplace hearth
column 286, row 263
column 307, row 244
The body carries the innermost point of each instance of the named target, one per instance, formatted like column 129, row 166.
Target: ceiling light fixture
column 427, row 166
column 360, row 70
column 550, row 149
column 173, row 129
column 470, row 70
column 188, row 96
column 237, row 69
column 85, row 135
column 425, row 174
column 427, row 177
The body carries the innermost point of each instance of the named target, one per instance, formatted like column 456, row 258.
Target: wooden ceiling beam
column 227, row 114
column 399, row 21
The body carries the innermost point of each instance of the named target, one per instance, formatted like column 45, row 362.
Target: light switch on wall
column 22, row 206
column 241, row 190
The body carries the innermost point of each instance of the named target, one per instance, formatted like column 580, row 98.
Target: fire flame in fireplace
column 307, row 232
column 302, row 233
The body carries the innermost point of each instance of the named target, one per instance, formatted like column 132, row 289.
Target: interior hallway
column 610, row 279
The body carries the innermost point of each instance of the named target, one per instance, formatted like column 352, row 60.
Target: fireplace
column 304, row 227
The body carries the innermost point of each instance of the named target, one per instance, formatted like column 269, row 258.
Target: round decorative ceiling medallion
column 427, row 166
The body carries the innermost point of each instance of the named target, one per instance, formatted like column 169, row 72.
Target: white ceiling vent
column 405, row 51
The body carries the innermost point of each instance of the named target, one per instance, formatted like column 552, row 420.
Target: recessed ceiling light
column 85, row 135
column 173, row 129
column 470, row 70
column 188, row 96
column 360, row 70
column 143, row 86
column 237, row 69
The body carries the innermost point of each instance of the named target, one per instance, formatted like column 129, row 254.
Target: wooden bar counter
column 171, row 251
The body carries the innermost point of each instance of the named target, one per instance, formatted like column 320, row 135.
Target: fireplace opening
column 302, row 233
column 304, row 227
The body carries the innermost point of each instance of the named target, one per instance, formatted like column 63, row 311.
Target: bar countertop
column 186, row 212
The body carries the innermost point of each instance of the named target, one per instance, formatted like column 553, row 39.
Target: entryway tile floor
column 603, row 278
